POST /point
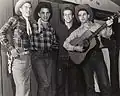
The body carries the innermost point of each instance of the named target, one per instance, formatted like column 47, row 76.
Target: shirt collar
column 87, row 25
column 21, row 17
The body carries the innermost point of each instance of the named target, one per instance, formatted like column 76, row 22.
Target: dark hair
column 64, row 7
column 83, row 10
column 42, row 5
column 68, row 8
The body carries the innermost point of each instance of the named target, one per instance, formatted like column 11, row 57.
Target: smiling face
column 44, row 14
column 83, row 16
column 68, row 16
column 26, row 9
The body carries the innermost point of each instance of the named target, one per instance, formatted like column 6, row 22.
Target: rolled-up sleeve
column 106, row 32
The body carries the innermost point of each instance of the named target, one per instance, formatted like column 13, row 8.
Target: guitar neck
column 97, row 31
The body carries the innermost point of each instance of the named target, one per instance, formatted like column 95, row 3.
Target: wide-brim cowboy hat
column 66, row 6
column 19, row 5
column 84, row 7
column 42, row 5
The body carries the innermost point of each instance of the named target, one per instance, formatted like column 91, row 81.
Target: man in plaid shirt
column 21, row 27
column 44, row 39
column 43, row 43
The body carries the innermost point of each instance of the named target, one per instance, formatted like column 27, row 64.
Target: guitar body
column 79, row 57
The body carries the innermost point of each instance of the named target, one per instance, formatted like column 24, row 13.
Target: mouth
column 46, row 18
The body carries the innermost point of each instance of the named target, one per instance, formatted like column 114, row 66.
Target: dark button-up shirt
column 63, row 32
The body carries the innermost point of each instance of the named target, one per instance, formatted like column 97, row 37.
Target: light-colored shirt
column 91, row 27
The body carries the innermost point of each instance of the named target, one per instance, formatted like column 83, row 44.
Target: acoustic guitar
column 88, row 42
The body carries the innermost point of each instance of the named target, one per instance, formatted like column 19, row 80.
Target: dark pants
column 96, row 64
column 69, row 78
column 42, row 68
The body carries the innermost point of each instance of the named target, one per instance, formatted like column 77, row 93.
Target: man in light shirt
column 94, row 61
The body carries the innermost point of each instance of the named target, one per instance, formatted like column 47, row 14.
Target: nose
column 82, row 16
column 45, row 14
column 28, row 9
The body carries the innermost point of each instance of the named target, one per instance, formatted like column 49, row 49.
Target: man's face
column 44, row 14
column 83, row 16
column 68, row 16
column 26, row 9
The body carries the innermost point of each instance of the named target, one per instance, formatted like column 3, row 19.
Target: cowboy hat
column 85, row 7
column 42, row 5
column 19, row 5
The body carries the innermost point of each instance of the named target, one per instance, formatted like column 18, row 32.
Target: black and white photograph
column 59, row 47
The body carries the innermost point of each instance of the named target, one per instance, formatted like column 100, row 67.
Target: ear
column 73, row 16
column 39, row 14
column 88, row 16
column 20, row 9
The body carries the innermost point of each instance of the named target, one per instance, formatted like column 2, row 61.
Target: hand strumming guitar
column 78, row 48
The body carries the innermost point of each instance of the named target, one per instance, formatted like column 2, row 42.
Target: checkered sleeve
column 3, row 33
column 34, row 36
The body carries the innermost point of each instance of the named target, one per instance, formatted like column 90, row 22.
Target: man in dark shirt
column 67, row 71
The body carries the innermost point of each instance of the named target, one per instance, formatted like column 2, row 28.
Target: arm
column 55, row 44
column 107, row 32
column 67, row 44
column 3, row 36
column 3, row 33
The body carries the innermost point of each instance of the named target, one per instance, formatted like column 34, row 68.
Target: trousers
column 42, row 68
column 96, row 64
column 21, row 74
column 69, row 77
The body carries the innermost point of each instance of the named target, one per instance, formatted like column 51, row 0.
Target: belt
column 24, row 53
column 41, row 51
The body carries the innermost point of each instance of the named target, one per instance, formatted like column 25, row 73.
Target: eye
column 42, row 12
column 79, row 14
column 48, row 13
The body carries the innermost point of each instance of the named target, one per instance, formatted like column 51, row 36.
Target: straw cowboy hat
column 19, row 5
column 84, row 7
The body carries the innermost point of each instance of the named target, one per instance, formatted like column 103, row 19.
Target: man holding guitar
column 88, row 36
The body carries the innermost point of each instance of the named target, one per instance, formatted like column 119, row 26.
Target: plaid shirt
column 20, row 38
column 45, row 40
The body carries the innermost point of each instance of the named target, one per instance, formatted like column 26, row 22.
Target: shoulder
column 13, row 19
column 76, row 31
column 34, row 23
